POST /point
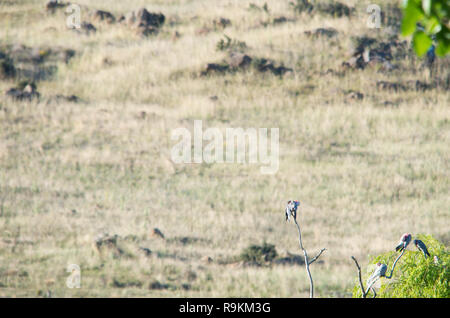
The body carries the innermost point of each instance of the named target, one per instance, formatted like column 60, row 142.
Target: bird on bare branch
column 404, row 241
column 380, row 271
column 291, row 209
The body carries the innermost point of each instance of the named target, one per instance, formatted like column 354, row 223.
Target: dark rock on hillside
column 145, row 250
column 221, row 23
column 290, row 259
column 7, row 69
column 412, row 85
column 280, row 20
column 332, row 8
column 156, row 285
column 214, row 68
column 335, row 9
column 106, row 16
column 86, row 29
column 144, row 18
column 353, row 96
column 239, row 60
column 390, row 86
column 144, row 22
column 24, row 92
column 322, row 32
column 64, row 99
column 264, row 65
column 54, row 5
column 370, row 52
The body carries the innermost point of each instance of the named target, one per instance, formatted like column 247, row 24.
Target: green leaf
column 411, row 15
column 432, row 25
column 442, row 49
column 422, row 42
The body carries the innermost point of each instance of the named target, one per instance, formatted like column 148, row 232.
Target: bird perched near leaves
column 291, row 209
column 431, row 56
column 421, row 247
column 404, row 241
column 380, row 271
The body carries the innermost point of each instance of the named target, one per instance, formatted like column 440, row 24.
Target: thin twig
column 317, row 256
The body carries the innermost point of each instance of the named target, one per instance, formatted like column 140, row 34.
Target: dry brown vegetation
column 86, row 151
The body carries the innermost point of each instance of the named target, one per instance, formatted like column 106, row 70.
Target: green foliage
column 414, row 276
column 433, row 15
column 255, row 7
column 259, row 254
column 230, row 44
column 302, row 6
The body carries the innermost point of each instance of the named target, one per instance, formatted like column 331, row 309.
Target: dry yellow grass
column 365, row 173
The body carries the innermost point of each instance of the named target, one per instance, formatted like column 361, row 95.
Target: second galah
column 422, row 247
column 404, row 241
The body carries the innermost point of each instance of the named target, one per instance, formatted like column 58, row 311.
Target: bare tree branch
column 366, row 292
column 317, row 256
column 395, row 263
column 361, row 285
column 307, row 261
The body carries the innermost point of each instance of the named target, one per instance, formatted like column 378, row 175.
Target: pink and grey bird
column 404, row 241
column 421, row 247
column 380, row 271
column 291, row 209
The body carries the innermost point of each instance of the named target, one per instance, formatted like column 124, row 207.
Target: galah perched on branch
column 380, row 271
column 422, row 247
column 404, row 241
column 291, row 209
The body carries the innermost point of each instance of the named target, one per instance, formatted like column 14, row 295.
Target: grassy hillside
column 365, row 149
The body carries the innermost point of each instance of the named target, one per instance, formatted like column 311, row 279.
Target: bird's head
column 406, row 237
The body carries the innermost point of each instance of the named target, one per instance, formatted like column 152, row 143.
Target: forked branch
column 307, row 261
column 364, row 291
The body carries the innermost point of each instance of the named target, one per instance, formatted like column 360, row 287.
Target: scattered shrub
column 259, row 254
column 230, row 44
